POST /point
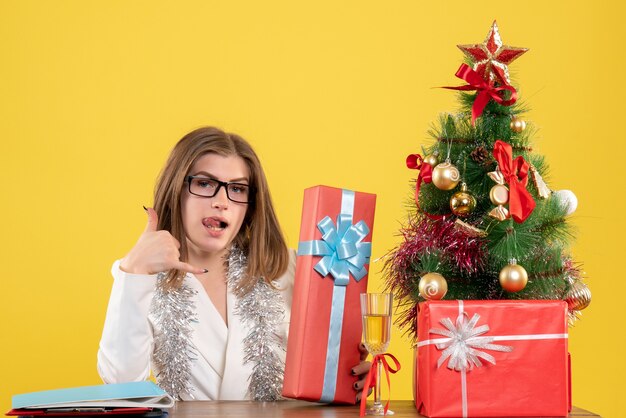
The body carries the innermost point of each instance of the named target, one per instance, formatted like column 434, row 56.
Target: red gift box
column 331, row 273
column 527, row 345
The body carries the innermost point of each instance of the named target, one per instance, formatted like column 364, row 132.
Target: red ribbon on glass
column 416, row 162
column 515, row 171
column 373, row 373
column 485, row 90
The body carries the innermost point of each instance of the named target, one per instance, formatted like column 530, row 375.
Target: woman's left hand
column 361, row 370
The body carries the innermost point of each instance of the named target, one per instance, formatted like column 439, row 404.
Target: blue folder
column 133, row 394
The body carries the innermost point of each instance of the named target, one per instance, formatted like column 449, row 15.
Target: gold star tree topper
column 492, row 53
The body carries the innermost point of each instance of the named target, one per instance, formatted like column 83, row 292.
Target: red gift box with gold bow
column 492, row 358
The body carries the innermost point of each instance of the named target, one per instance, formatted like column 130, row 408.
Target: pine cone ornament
column 480, row 155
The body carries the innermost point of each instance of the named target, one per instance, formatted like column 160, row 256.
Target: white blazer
column 218, row 373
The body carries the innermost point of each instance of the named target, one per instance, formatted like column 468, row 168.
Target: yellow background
column 93, row 95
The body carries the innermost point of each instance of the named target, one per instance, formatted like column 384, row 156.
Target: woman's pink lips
column 215, row 222
column 214, row 232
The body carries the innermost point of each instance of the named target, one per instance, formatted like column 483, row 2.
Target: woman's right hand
column 155, row 251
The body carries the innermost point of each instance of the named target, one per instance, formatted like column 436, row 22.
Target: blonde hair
column 260, row 236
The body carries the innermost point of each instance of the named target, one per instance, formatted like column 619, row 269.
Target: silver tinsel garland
column 173, row 311
column 261, row 310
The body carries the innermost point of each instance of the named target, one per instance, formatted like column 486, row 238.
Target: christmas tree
column 483, row 223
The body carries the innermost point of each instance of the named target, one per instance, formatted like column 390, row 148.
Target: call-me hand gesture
column 155, row 251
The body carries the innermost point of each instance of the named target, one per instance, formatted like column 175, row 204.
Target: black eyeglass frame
column 221, row 184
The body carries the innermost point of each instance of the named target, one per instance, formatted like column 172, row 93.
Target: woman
column 203, row 299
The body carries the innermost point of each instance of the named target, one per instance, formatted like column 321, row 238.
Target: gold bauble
column 499, row 194
column 433, row 286
column 431, row 159
column 513, row 277
column 446, row 176
column 517, row 125
column 462, row 203
column 578, row 296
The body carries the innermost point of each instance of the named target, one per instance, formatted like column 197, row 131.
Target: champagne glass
column 376, row 312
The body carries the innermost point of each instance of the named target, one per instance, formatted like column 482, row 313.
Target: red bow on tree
column 416, row 162
column 521, row 203
column 373, row 373
column 486, row 90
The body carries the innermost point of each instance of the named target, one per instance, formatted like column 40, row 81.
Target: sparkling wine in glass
column 376, row 312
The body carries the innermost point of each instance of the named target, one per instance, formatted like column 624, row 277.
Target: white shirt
column 218, row 372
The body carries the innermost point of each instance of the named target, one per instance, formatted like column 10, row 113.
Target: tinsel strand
column 261, row 310
column 456, row 140
column 173, row 311
column 552, row 223
column 420, row 236
column 515, row 146
column 551, row 274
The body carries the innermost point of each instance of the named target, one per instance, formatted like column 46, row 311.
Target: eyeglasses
column 208, row 187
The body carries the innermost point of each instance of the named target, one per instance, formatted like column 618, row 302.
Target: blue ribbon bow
column 341, row 249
